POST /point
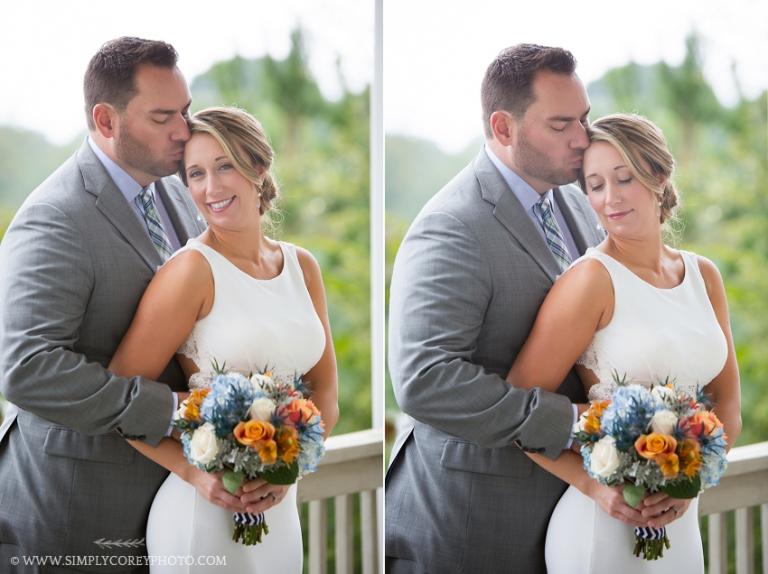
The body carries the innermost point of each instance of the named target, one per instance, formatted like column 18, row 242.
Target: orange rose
column 194, row 400
column 592, row 424
column 690, row 457
column 249, row 432
column 267, row 450
column 652, row 445
column 669, row 465
column 300, row 411
column 288, row 444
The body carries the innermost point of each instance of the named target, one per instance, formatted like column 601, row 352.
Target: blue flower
column 629, row 414
column 228, row 402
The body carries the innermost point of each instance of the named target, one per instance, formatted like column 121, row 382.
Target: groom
column 73, row 266
column 468, row 280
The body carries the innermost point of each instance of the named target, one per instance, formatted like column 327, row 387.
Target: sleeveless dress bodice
column 256, row 324
column 654, row 335
column 253, row 325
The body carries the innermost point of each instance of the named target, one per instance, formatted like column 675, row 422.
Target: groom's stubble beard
column 139, row 156
column 536, row 163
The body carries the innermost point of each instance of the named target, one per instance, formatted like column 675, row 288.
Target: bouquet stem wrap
column 651, row 542
column 249, row 528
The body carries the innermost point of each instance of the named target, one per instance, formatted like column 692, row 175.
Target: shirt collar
column 128, row 186
column 525, row 194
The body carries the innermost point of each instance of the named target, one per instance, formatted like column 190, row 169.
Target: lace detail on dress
column 189, row 349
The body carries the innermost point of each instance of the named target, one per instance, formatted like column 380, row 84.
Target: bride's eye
column 596, row 187
column 628, row 180
column 194, row 174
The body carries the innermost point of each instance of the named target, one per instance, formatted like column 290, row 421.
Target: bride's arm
column 180, row 294
column 579, row 303
column 323, row 377
column 724, row 389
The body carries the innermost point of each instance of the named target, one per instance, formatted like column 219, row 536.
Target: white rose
column 604, row 459
column 663, row 394
column 203, row 446
column 663, row 422
column 262, row 409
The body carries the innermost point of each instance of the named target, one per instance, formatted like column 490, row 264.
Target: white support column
column 378, row 325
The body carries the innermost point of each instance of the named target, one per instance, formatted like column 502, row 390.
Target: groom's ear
column 104, row 119
column 503, row 127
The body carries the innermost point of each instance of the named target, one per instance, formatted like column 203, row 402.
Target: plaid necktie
column 146, row 202
column 546, row 216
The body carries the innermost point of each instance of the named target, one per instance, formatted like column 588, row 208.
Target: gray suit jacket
column 468, row 281
column 73, row 265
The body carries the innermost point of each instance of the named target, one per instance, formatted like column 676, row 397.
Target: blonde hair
column 244, row 142
column 643, row 148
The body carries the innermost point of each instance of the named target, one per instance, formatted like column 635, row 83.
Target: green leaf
column 282, row 475
column 633, row 494
column 683, row 488
column 232, row 480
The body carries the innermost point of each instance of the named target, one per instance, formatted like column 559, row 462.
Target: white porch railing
column 352, row 466
column 743, row 488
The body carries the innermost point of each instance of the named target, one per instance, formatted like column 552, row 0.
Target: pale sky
column 46, row 45
column 435, row 52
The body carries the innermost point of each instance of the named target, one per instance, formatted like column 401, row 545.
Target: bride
column 641, row 308
column 235, row 296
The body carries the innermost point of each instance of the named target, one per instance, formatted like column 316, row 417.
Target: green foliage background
column 722, row 174
column 322, row 166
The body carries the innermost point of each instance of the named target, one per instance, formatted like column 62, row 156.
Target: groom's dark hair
column 508, row 81
column 111, row 72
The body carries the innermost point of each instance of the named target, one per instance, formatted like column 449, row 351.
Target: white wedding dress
column 654, row 334
column 253, row 325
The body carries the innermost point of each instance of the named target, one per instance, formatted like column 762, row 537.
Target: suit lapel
column 511, row 214
column 113, row 206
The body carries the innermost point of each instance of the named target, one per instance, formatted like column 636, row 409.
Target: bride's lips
column 221, row 205
column 618, row 215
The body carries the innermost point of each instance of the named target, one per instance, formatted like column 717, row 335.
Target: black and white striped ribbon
column 248, row 519
column 647, row 533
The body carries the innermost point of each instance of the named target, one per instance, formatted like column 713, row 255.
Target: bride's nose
column 612, row 194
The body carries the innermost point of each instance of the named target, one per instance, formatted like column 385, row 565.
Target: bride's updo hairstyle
column 244, row 142
column 643, row 148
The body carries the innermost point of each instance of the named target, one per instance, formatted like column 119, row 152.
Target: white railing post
column 717, row 529
column 345, row 532
column 318, row 537
column 764, row 535
column 745, row 544
column 369, row 532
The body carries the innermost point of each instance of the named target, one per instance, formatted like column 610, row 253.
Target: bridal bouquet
column 652, row 440
column 251, row 427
